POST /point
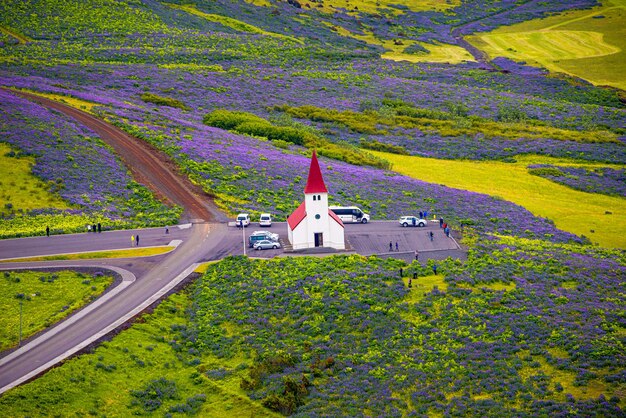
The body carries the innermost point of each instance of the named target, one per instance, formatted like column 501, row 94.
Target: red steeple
column 315, row 182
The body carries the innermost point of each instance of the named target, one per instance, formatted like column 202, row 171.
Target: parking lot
column 365, row 239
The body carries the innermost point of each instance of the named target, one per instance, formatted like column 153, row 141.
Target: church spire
column 315, row 182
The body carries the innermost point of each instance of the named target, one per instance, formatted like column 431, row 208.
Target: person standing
column 431, row 235
column 417, row 255
column 440, row 222
column 397, row 246
column 137, row 239
column 390, row 246
column 421, row 215
column 47, row 231
column 435, row 268
column 99, row 227
column 132, row 240
column 447, row 231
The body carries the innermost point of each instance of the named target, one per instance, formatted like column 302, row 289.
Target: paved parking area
column 365, row 239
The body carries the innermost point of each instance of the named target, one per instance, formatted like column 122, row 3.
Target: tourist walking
column 137, row 239
column 47, row 231
column 390, row 246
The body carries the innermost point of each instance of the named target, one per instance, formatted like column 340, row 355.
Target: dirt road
column 148, row 165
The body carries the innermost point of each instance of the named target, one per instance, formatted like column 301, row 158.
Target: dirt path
column 148, row 165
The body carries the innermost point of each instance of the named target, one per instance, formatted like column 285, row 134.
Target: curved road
column 153, row 169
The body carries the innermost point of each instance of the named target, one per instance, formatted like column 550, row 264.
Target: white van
column 265, row 220
column 350, row 214
column 243, row 219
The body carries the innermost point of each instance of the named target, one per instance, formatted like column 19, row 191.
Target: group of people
column 134, row 239
column 94, row 228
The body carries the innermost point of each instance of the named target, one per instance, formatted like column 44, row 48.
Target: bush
column 229, row 119
column 163, row 101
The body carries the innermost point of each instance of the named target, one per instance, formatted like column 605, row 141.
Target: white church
column 313, row 224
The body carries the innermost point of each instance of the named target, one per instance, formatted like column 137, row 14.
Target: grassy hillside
column 588, row 44
column 237, row 93
column 601, row 218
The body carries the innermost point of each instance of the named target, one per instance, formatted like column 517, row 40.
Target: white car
column 412, row 221
column 272, row 236
column 265, row 220
column 243, row 219
column 266, row 245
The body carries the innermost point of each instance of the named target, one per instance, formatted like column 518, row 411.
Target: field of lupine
column 532, row 324
column 523, row 328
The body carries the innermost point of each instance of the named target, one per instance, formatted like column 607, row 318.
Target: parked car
column 258, row 236
column 266, row 245
column 412, row 221
column 243, row 219
column 265, row 220
column 272, row 235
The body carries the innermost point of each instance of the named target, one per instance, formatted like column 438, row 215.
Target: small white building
column 313, row 224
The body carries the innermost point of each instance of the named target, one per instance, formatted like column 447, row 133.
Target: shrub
column 229, row 119
column 163, row 101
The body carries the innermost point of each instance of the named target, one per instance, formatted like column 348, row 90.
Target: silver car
column 266, row 245
column 412, row 221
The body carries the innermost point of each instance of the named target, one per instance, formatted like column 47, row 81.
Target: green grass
column 133, row 252
column 102, row 383
column 424, row 285
column 590, row 44
column 19, row 189
column 48, row 297
column 571, row 210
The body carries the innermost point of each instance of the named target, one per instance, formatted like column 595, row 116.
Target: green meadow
column 47, row 298
column 590, row 44
column 600, row 218
column 19, row 189
column 142, row 369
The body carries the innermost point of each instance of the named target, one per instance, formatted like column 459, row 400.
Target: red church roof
column 315, row 182
column 335, row 217
column 297, row 216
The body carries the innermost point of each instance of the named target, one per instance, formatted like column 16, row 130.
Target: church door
column 319, row 242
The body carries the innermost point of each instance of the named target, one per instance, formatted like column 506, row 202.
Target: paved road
column 117, row 310
column 154, row 170
column 365, row 239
